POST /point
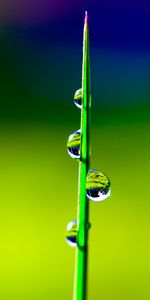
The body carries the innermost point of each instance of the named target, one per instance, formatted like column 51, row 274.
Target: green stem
column 80, row 286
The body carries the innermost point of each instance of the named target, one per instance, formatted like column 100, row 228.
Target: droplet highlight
column 71, row 235
column 97, row 186
column 78, row 98
column 73, row 144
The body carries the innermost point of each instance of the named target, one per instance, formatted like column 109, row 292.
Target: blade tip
column 86, row 16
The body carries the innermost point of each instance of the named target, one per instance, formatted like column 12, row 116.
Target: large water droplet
column 78, row 98
column 71, row 235
column 73, row 144
column 97, row 186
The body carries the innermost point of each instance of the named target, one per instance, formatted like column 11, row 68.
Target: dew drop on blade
column 78, row 98
column 97, row 186
column 71, row 234
column 73, row 144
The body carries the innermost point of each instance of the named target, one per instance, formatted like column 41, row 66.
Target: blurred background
column 40, row 69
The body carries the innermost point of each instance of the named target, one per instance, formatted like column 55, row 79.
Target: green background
column 39, row 195
column 38, row 179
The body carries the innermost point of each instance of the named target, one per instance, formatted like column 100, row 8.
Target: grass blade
column 80, row 285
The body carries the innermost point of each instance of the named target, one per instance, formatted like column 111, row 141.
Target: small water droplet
column 71, row 235
column 78, row 98
column 73, row 144
column 97, row 186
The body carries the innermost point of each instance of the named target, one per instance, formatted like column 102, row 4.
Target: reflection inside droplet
column 73, row 144
column 78, row 98
column 71, row 235
column 97, row 186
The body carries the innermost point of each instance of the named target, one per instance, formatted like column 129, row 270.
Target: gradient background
column 40, row 69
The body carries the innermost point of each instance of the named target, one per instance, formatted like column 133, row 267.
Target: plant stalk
column 80, row 284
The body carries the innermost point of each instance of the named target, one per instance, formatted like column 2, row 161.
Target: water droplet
column 97, row 186
column 71, row 235
column 73, row 144
column 78, row 98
